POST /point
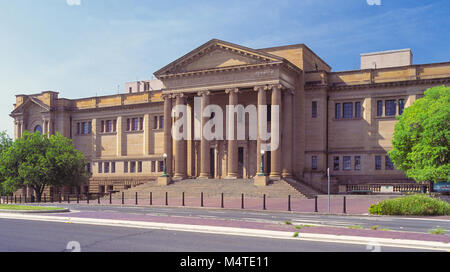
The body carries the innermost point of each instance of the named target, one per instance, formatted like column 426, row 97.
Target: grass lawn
column 27, row 208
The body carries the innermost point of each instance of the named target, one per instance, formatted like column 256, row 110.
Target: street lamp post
column 261, row 171
column 165, row 165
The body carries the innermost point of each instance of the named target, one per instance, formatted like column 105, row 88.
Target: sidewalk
column 355, row 205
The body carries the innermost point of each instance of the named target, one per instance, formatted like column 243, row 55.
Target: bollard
column 136, row 198
column 51, row 198
column 345, row 205
column 167, row 199
column 15, row 199
column 151, row 198
column 182, row 200
column 123, row 198
column 316, row 208
column 242, row 201
column 78, row 198
column 264, row 202
column 110, row 198
column 20, row 199
column 289, row 203
column 222, row 204
column 98, row 198
column 68, row 199
column 201, row 200
column 60, row 198
column 87, row 197
column 45, row 198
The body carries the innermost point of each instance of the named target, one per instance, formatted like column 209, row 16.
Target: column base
column 204, row 176
column 231, row 177
column 164, row 181
column 275, row 176
column 261, row 181
column 287, row 175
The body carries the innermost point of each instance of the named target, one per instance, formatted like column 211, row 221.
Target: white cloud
column 73, row 2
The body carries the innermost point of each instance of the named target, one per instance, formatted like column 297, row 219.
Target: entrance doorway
column 212, row 162
column 240, row 162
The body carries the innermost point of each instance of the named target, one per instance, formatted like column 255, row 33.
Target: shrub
column 411, row 205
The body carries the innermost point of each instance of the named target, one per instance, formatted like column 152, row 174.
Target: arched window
column 38, row 128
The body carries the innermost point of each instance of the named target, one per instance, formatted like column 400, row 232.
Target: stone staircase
column 214, row 188
column 306, row 190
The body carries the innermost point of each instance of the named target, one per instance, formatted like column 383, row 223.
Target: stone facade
column 338, row 120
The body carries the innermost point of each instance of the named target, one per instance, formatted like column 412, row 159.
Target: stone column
column 119, row 129
column 275, row 160
column 232, row 144
column 287, row 143
column 205, row 159
column 262, row 101
column 180, row 147
column 146, row 127
column 168, row 133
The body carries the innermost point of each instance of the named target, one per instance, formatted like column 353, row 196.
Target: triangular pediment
column 217, row 54
column 31, row 101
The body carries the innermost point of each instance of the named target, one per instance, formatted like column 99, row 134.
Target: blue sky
column 89, row 49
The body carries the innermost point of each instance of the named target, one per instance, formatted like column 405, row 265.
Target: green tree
column 39, row 161
column 421, row 142
column 5, row 143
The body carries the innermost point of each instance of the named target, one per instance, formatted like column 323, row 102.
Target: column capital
column 204, row 93
column 231, row 90
column 261, row 88
column 275, row 87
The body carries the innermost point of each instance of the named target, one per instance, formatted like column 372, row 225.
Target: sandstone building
column 338, row 120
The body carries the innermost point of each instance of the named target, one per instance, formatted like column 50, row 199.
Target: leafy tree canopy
column 39, row 161
column 421, row 145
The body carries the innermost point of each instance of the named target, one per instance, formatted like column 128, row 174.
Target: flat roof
column 386, row 52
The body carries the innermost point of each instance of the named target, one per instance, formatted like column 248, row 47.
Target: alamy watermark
column 235, row 128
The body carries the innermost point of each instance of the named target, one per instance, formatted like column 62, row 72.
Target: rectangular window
column 314, row 163
column 140, row 167
column 358, row 110
column 161, row 166
column 114, row 125
column 102, row 126
column 89, row 127
column 337, row 111
column 401, row 106
column 106, row 167
column 161, row 122
column 88, row 168
column 380, row 108
column 125, row 167
column 388, row 164
column 100, row 167
column 109, row 126
column 153, row 166
column 314, row 109
column 336, row 163
column 348, row 110
column 347, row 163
column 128, row 124
column 391, row 108
column 78, row 128
column 130, row 90
column 133, row 167
column 357, row 163
column 377, row 162
column 141, row 123
column 85, row 128
column 155, row 124
column 113, row 167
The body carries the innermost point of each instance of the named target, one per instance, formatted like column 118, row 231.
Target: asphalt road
column 37, row 236
column 421, row 225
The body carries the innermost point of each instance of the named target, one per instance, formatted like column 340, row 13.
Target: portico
column 223, row 75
